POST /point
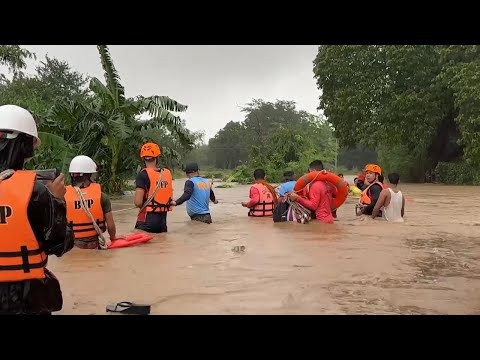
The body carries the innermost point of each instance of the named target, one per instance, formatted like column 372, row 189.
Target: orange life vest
column 77, row 217
column 21, row 256
column 266, row 204
column 163, row 196
column 365, row 197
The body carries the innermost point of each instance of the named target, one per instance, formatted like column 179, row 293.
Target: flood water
column 427, row 265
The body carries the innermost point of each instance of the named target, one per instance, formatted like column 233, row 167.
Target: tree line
column 80, row 115
column 418, row 106
column 276, row 136
column 413, row 109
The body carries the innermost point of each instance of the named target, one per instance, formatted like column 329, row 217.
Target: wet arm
column 138, row 198
column 107, row 210
column 254, row 198
column 112, row 230
column 187, row 193
column 212, row 195
column 379, row 204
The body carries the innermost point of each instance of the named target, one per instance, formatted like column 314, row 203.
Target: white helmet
column 82, row 164
column 17, row 119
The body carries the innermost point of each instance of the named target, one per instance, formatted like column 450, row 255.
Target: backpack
column 280, row 211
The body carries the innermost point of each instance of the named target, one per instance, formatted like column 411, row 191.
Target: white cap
column 18, row 120
column 82, row 164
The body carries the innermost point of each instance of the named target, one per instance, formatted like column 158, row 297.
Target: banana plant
column 108, row 126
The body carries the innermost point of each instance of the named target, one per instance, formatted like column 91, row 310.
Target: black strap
column 20, row 253
column 90, row 227
column 26, row 266
column 87, row 224
column 154, row 205
column 254, row 211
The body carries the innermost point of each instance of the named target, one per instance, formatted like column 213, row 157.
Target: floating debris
column 240, row 248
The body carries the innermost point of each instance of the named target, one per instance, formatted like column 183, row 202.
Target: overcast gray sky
column 213, row 80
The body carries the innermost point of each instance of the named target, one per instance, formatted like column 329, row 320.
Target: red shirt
column 320, row 201
column 254, row 197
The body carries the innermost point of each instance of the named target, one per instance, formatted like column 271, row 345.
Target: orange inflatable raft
column 129, row 240
column 338, row 182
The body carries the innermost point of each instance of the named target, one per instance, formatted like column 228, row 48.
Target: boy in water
column 391, row 201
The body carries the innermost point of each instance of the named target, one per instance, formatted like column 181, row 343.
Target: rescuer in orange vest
column 33, row 224
column 154, row 191
column 263, row 197
column 371, row 193
column 96, row 205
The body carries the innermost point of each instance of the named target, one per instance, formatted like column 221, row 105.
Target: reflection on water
column 428, row 265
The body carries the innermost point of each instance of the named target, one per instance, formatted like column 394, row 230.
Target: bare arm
column 112, row 230
column 380, row 202
column 138, row 198
column 403, row 206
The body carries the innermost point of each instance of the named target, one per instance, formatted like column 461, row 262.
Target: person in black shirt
column 371, row 193
column 21, row 292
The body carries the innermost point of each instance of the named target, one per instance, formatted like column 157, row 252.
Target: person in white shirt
column 391, row 201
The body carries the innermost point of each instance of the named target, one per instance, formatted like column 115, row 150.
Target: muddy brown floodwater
column 427, row 265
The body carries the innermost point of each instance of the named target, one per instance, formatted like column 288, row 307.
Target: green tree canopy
column 420, row 98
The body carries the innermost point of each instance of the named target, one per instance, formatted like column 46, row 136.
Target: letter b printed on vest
column 78, row 204
column 5, row 213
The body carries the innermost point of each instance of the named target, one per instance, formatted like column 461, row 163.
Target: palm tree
column 108, row 126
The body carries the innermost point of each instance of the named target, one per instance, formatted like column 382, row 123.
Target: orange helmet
column 150, row 150
column 374, row 168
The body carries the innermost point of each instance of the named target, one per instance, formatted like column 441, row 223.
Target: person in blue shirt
column 197, row 194
column 288, row 183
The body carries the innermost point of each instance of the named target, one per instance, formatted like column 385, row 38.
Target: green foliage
column 356, row 158
column 398, row 159
column 14, row 56
column 224, row 186
column 422, row 99
column 229, row 147
column 242, row 174
column 275, row 137
column 97, row 121
column 108, row 125
column 459, row 173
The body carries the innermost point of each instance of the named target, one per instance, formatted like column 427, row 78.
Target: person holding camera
column 33, row 222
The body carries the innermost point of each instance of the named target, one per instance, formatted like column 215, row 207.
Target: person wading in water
column 197, row 193
column 154, row 191
column 263, row 197
column 96, row 205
